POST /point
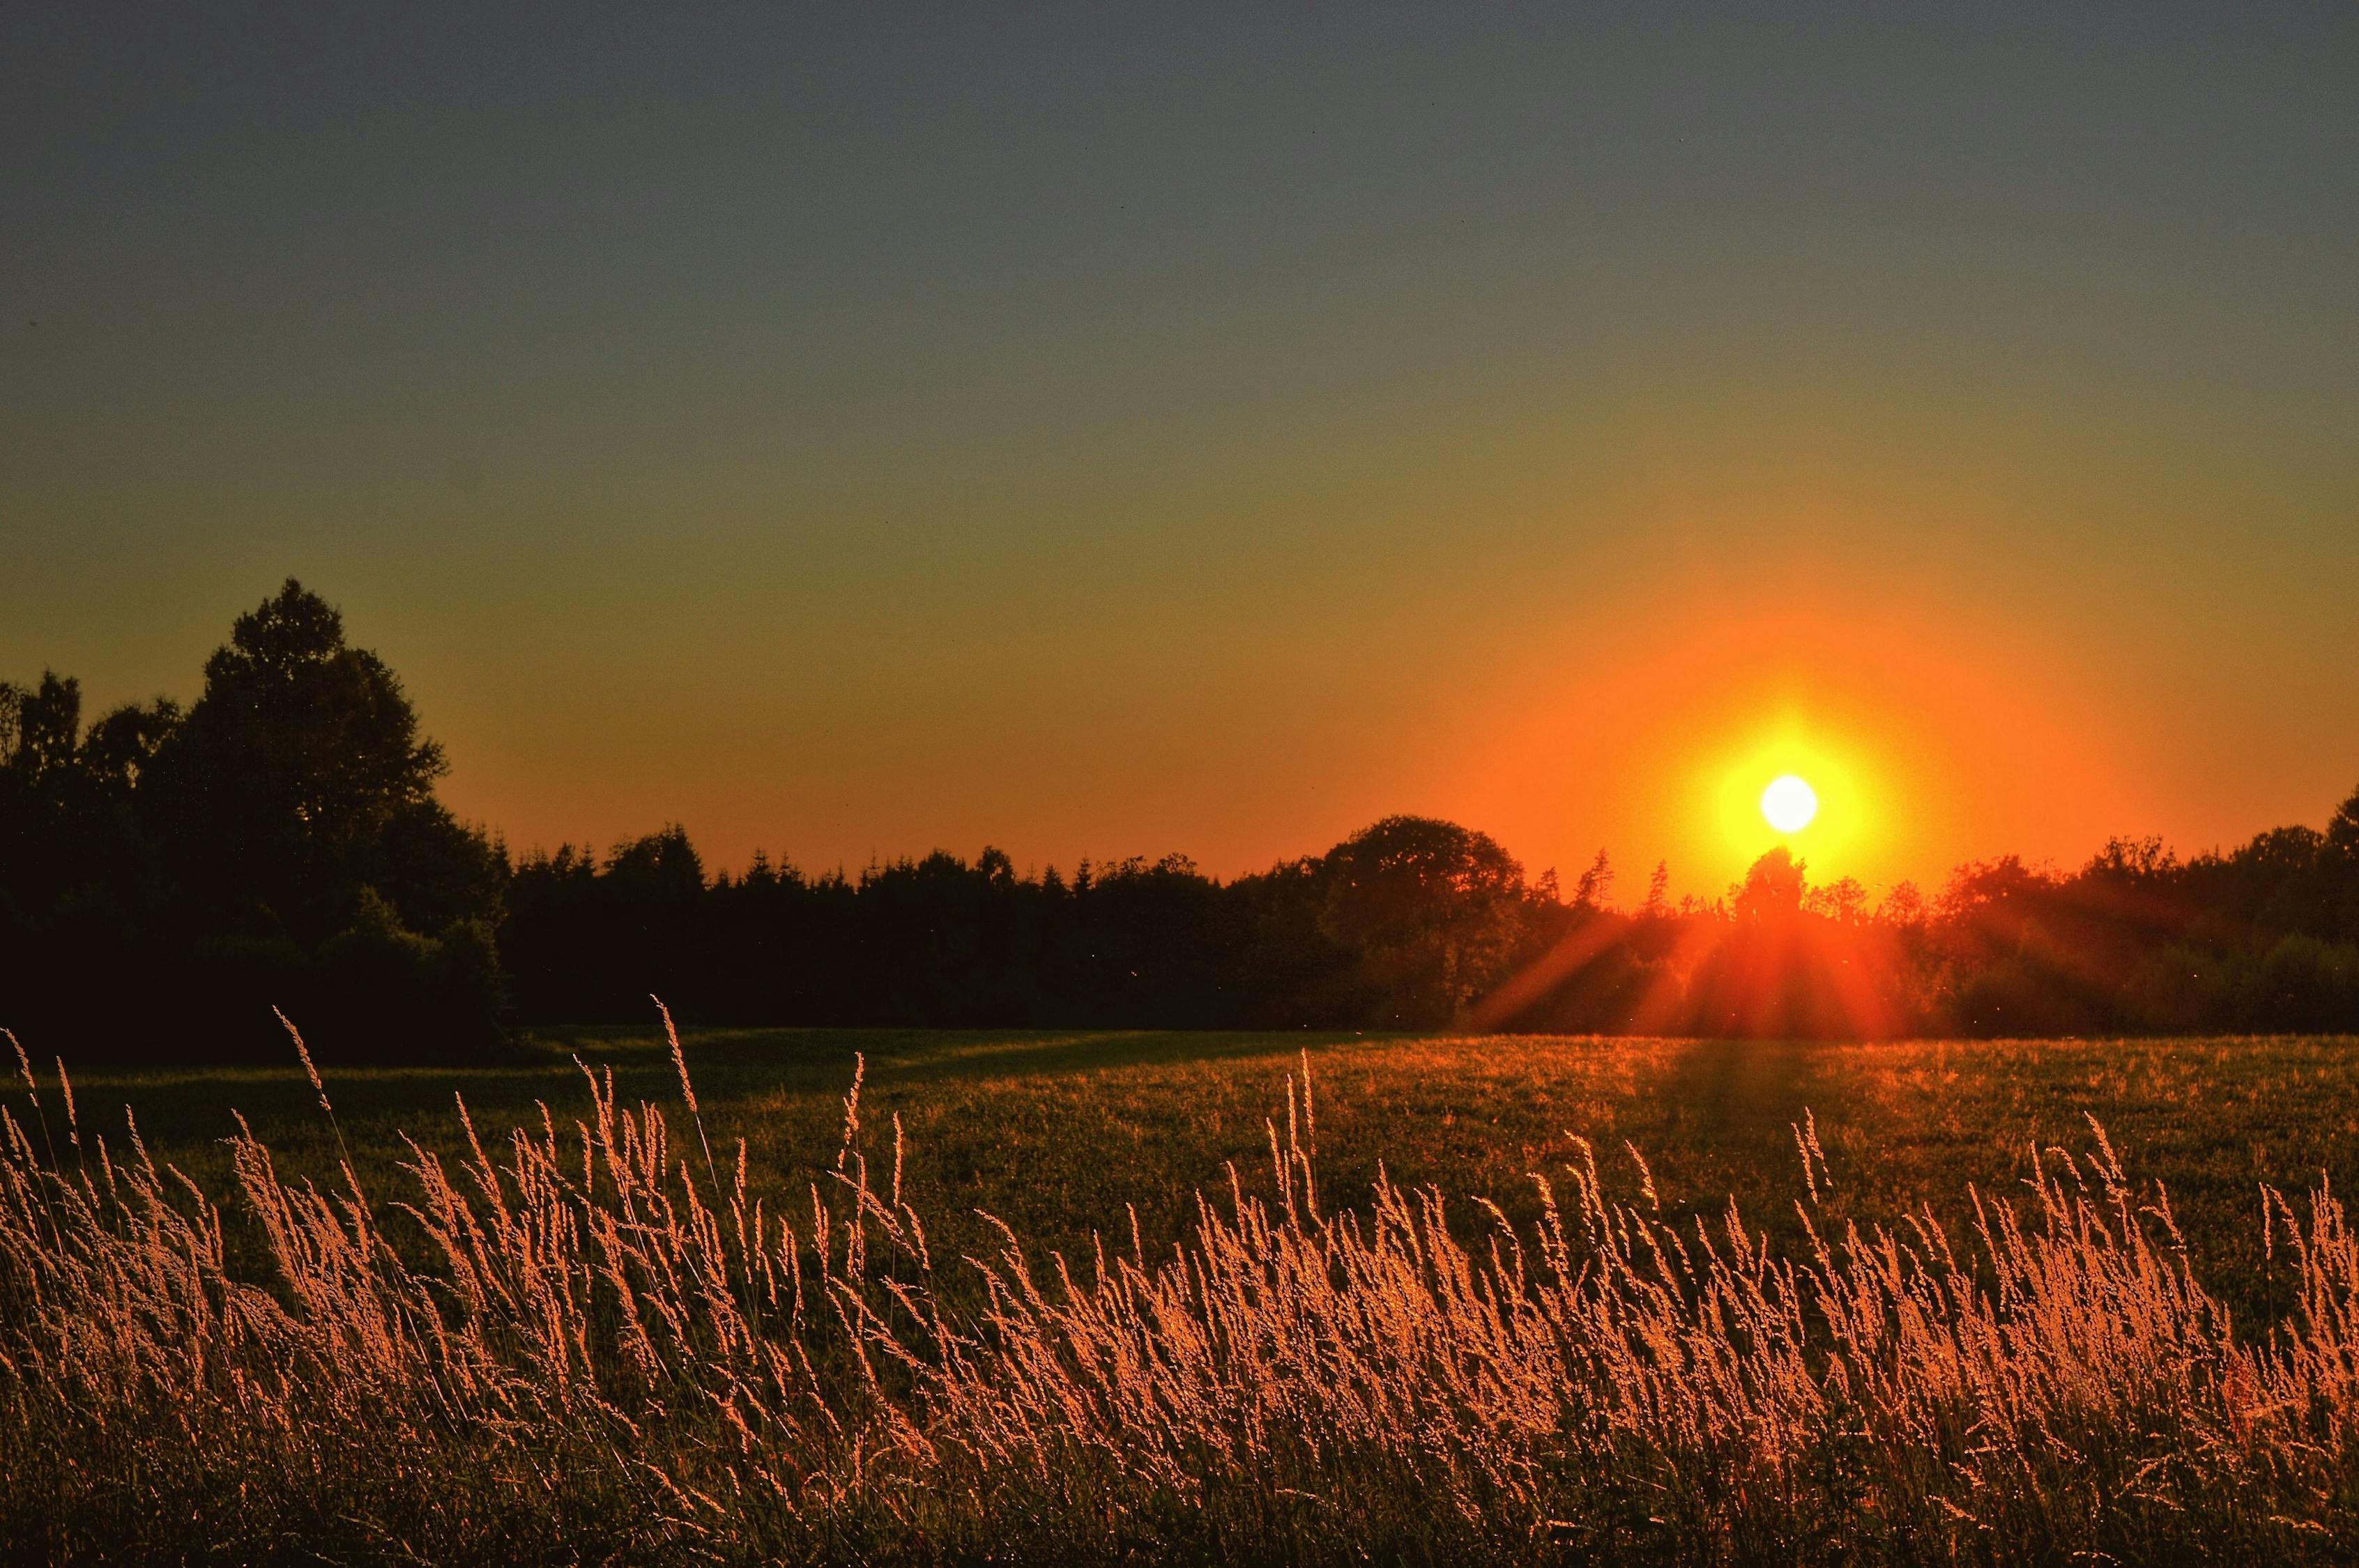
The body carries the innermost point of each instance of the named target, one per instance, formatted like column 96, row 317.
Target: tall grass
column 592, row 1345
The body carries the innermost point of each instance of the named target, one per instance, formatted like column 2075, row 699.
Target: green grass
column 1055, row 1133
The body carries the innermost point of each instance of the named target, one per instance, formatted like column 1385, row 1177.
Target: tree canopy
column 280, row 844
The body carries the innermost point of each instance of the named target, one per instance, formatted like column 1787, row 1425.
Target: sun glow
column 1828, row 794
column 1927, row 737
column 1789, row 804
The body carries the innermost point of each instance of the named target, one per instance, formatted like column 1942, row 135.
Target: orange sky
column 1149, row 432
column 1927, row 739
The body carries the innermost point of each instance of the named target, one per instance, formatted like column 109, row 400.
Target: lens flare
column 1789, row 804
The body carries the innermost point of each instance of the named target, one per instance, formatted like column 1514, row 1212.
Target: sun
column 1791, row 784
column 1789, row 804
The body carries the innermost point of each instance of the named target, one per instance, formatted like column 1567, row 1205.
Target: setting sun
column 1789, row 804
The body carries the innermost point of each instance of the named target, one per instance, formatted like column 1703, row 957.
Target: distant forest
column 169, row 876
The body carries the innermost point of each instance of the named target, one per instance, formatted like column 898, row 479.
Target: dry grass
column 597, row 1345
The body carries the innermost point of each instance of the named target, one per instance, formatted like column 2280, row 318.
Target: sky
column 1121, row 430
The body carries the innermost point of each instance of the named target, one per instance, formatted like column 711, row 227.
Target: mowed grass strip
column 1064, row 1134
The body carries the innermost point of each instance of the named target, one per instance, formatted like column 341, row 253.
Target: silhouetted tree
column 282, row 784
column 1659, row 892
column 1434, row 911
column 2339, row 858
column 1772, row 889
column 1596, row 885
column 167, row 878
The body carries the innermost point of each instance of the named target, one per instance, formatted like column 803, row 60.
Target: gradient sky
column 1105, row 431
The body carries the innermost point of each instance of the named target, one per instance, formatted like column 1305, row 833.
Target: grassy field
column 1267, row 1383
column 1056, row 1133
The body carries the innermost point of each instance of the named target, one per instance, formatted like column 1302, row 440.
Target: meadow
column 1763, row 1301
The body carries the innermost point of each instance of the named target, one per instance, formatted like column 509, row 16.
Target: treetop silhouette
column 166, row 877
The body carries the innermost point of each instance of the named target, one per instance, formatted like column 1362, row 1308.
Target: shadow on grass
column 179, row 1105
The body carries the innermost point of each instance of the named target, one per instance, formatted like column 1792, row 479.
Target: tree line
column 169, row 876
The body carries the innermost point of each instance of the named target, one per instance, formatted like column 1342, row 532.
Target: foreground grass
column 538, row 1364
column 1061, row 1134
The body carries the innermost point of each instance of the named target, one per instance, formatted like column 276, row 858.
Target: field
column 1056, row 1133
column 1069, row 1141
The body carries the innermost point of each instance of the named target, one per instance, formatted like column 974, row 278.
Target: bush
column 2307, row 984
column 379, row 989
column 2299, row 985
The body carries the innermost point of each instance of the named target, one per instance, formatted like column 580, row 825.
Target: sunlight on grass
column 582, row 1339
